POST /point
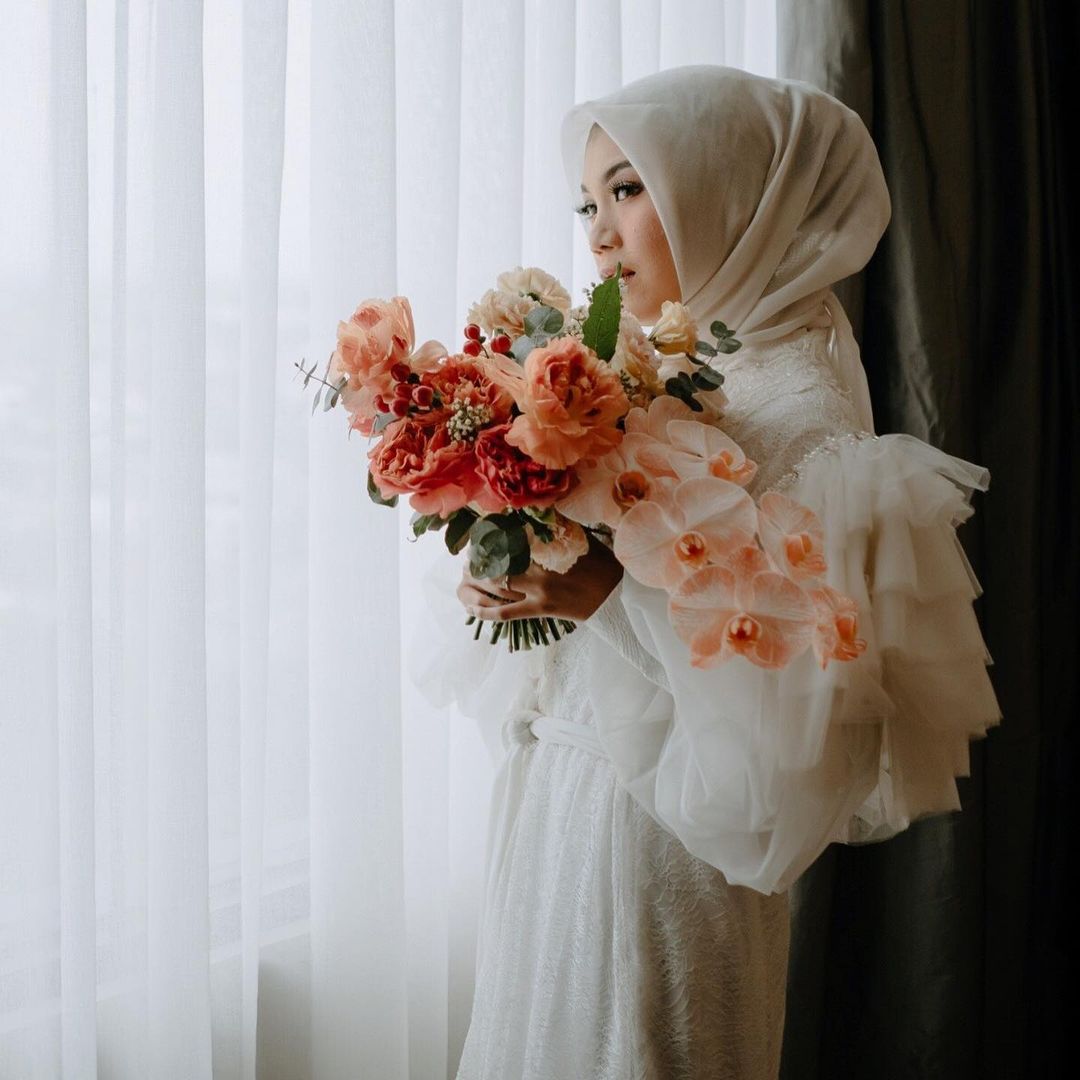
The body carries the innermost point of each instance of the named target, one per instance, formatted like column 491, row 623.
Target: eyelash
column 629, row 184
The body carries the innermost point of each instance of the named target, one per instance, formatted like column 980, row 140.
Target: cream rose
column 635, row 355
column 497, row 310
column 675, row 331
column 531, row 279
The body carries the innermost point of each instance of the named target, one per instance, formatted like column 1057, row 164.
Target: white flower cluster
column 467, row 420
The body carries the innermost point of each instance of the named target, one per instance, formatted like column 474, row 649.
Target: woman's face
column 623, row 226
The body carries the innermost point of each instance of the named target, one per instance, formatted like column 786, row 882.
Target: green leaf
column 705, row 347
column 422, row 523
column 730, row 345
column 315, row 403
column 457, row 529
column 600, row 331
column 719, row 329
column 376, row 495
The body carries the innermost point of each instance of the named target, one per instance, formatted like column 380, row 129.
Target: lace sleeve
column 611, row 623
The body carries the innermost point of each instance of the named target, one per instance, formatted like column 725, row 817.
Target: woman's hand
column 541, row 593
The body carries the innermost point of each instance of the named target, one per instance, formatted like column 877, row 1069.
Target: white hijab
column 769, row 191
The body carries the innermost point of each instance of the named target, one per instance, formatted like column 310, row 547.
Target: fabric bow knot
column 517, row 728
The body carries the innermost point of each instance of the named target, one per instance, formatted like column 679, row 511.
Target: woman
column 648, row 817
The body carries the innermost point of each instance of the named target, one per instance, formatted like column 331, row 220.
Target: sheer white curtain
column 234, row 840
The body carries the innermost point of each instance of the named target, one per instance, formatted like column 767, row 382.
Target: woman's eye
column 628, row 185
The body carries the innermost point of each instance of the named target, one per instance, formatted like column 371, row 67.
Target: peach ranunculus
column 618, row 480
column 675, row 331
column 837, row 626
column 513, row 478
column 378, row 335
column 792, row 535
column 536, row 283
column 437, row 472
column 570, row 401
column 471, row 396
column 742, row 607
column 501, row 311
column 567, row 545
column 661, row 541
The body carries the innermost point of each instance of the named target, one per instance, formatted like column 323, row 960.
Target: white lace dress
column 611, row 946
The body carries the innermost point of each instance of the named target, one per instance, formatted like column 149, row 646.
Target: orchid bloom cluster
column 555, row 421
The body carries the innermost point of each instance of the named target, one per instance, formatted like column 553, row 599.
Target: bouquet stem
column 524, row 633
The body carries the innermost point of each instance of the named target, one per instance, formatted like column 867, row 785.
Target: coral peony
column 570, row 401
column 422, row 461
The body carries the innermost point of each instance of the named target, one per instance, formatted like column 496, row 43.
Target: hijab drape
column 769, row 192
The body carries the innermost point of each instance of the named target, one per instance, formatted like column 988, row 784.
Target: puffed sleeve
column 487, row 683
column 757, row 770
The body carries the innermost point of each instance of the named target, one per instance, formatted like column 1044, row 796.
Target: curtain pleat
column 235, row 841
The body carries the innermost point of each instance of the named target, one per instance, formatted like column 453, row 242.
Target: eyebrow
column 610, row 173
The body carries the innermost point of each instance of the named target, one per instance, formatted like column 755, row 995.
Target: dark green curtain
column 942, row 952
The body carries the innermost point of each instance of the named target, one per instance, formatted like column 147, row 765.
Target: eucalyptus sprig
column 706, row 378
column 335, row 388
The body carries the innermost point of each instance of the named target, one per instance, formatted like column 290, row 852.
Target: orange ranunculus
column 422, row 461
column 792, row 535
column 469, row 379
column 837, row 626
column 742, row 607
column 570, row 401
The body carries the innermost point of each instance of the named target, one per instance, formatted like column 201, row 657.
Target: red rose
column 512, row 477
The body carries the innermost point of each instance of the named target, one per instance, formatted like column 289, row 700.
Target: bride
column 648, row 817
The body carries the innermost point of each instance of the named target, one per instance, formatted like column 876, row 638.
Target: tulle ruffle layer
column 757, row 770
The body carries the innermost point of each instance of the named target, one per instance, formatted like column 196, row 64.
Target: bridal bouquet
column 553, row 422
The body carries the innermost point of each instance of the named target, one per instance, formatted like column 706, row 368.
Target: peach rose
column 378, row 334
column 570, row 401
column 567, row 545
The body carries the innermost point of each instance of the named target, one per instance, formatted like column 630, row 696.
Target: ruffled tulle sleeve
column 486, row 683
column 757, row 770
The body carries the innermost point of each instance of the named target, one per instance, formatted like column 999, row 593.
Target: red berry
column 500, row 343
column 422, row 395
column 399, row 407
column 471, row 347
column 399, row 371
column 403, row 390
column 380, row 404
column 472, row 331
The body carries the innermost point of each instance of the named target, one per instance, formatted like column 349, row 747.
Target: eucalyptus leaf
column 457, row 529
column 543, row 320
column 522, row 347
column 705, row 347
column 315, row 403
